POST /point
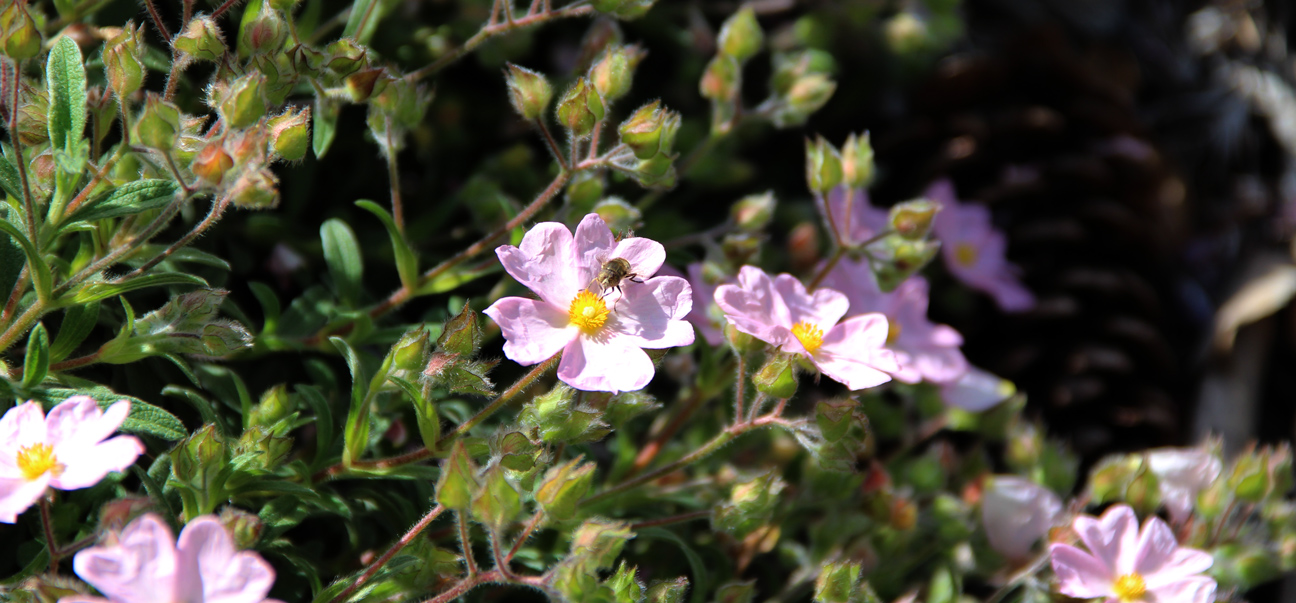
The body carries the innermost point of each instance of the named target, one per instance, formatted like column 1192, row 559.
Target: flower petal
column 1112, row 538
column 977, row 390
column 1196, row 589
column 754, row 307
column 1017, row 512
column 79, row 420
column 855, row 280
column 21, row 426
column 1155, row 549
column 1079, row 574
column 852, row 353
column 822, row 308
column 1185, row 563
column 142, row 566
column 646, row 256
column 228, row 576
column 650, row 314
column 545, row 262
column 610, row 365
column 85, row 465
column 19, row 494
column 533, row 330
column 594, row 244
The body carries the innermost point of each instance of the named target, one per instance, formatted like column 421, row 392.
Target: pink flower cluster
column 68, row 450
column 147, row 564
column 974, row 249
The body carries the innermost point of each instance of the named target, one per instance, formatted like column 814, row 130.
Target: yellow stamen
column 965, row 253
column 893, row 331
column 37, row 460
column 1130, row 588
column 588, row 312
column 810, row 336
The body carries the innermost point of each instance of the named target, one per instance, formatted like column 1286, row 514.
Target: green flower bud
column 243, row 103
column 580, row 108
column 457, row 485
column 750, row 506
column 614, row 72
column 554, row 417
column 668, row 591
column 123, row 61
column 900, row 259
column 836, row 583
column 403, row 100
column 33, row 116
column 275, row 405
column 625, row 588
column 462, row 334
column 857, row 161
column 586, row 189
column 753, row 212
column 722, row 79
column 245, row 527
column 741, row 342
column 777, row 377
column 627, row 10
column 410, row 352
column 528, row 90
column 514, row 451
column 260, row 449
column 913, row 219
column 306, row 60
column 21, row 36
column 835, row 418
column 258, row 189
column 905, row 33
column 158, row 124
column 498, row 502
column 736, row 592
column 598, row 542
column 741, row 36
column 198, row 459
column 563, row 487
column 650, row 130
column 823, row 166
column 201, row 40
column 367, row 82
column 290, row 134
column 345, row 56
column 266, row 33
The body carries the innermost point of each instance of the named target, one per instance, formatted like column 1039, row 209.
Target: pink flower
column 780, row 312
column 1016, row 512
column 855, row 219
column 1181, row 474
column 974, row 250
column 923, row 350
column 66, row 450
column 147, row 564
column 1125, row 564
column 977, row 390
column 705, row 314
column 601, row 335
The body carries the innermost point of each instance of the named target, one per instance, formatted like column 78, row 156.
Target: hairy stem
column 526, row 533
column 218, row 207
column 391, row 552
column 157, row 20
column 553, row 144
column 393, row 178
column 49, row 534
column 465, row 544
column 493, row 29
column 665, row 521
column 29, row 203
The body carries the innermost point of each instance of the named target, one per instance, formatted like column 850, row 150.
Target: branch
column 391, row 552
column 492, row 29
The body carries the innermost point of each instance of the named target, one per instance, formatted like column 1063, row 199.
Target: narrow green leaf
column 406, row 262
column 269, row 305
column 101, row 290
column 363, row 20
column 10, row 181
column 39, row 270
column 205, row 408
column 79, row 320
column 323, row 421
column 36, row 363
column 129, row 198
column 356, row 434
column 65, row 79
column 342, row 254
column 325, row 127
column 429, row 422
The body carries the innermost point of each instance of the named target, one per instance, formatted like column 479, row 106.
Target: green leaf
column 10, row 181
column 65, row 78
column 12, row 261
column 342, row 254
column 406, row 261
column 39, row 270
column 700, row 576
column 269, row 305
column 78, row 322
column 144, row 418
column 102, row 290
column 356, row 434
column 429, row 422
column 325, row 126
column 130, row 198
column 205, row 408
column 36, row 363
column 363, row 20
column 323, row 421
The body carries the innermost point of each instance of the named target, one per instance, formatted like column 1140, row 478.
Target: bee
column 613, row 273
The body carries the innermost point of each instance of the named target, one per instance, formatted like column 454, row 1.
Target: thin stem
column 594, row 141
column 117, row 254
column 393, row 177
column 465, row 544
column 94, row 181
column 20, row 326
column 553, row 144
column 175, row 172
column 218, row 207
column 75, row 363
column 391, row 552
column 526, row 533
column 49, row 533
column 739, row 393
column 20, row 287
column 715, row 444
column 157, row 20
column 650, row 450
column 178, row 63
column 222, row 8
column 493, row 29
column 29, row 203
column 497, row 553
column 665, row 521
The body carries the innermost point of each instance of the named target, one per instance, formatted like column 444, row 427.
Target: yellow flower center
column 893, row 331
column 588, row 312
column 810, row 336
column 1130, row 588
column 965, row 253
column 37, row 460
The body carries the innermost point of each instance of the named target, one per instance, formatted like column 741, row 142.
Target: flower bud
column 258, row 189
column 586, row 189
column 823, row 166
column 259, row 448
column 305, row 60
column 836, row 583
column 623, row 9
column 906, row 33
column 614, row 72
column 722, row 78
column 528, row 90
column 650, row 130
column 462, row 334
column 243, row 103
column 345, row 56
column 750, row 506
column 21, row 37
column 365, row 83
column 563, row 487
column 741, row 36
column 857, row 161
column 498, row 502
column 657, row 172
column 457, row 485
column 158, row 124
column 123, row 61
column 275, row 405
column 669, row 591
column 33, row 116
column 836, row 417
column 900, row 259
column 245, row 527
column 201, row 40
column 777, row 377
column 290, row 134
column 913, row 219
column 753, row 212
column 402, row 100
column 580, row 108
column 199, row 458
column 740, row 248
column 266, row 33
column 598, row 542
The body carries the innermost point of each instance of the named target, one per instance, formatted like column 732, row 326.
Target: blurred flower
column 146, row 564
column 923, row 350
column 974, row 250
column 1125, row 564
column 977, row 390
column 601, row 342
column 65, row 450
column 1016, row 512
column 1181, row 474
column 781, row 312
column 855, row 219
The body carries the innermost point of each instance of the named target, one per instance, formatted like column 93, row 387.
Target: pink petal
column 1155, row 550
column 228, row 576
column 82, row 599
column 142, row 566
column 21, row 426
column 1079, row 574
column 703, row 302
column 977, row 390
column 939, row 363
column 1197, row 589
column 1011, row 296
column 545, row 263
column 1112, row 538
column 864, row 220
column 79, row 420
column 611, row 365
column 594, row 245
column 533, row 330
column 19, row 494
column 822, row 308
column 84, row 465
column 852, row 353
column 1185, row 563
column 650, row 314
column 1017, row 512
column 753, row 307
column 646, row 256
